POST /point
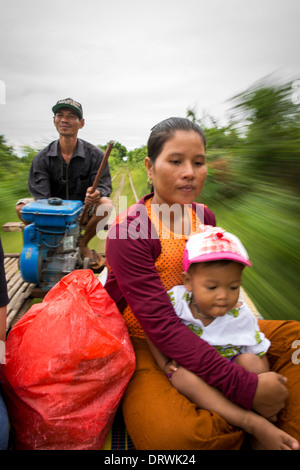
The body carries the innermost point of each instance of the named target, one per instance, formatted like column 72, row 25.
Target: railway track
column 132, row 187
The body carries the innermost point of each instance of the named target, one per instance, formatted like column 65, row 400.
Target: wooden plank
column 19, row 305
column 13, row 227
column 19, row 283
column 15, row 274
column 8, row 261
column 12, row 255
column 13, row 277
column 17, row 302
column 19, row 291
column 15, row 315
column 10, row 266
column 10, row 274
column 18, row 287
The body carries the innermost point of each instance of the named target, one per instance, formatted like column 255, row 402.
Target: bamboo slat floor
column 19, row 291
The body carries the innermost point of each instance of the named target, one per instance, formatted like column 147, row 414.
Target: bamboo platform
column 20, row 293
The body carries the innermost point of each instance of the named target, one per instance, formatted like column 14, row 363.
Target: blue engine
column 51, row 241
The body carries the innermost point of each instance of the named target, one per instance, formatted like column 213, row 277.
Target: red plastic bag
column 68, row 362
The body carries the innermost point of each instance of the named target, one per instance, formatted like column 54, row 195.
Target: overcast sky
column 132, row 63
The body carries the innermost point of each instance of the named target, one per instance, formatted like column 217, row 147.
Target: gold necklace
column 197, row 311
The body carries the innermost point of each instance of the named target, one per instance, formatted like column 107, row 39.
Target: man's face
column 67, row 122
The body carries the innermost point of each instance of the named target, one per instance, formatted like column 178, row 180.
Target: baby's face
column 215, row 287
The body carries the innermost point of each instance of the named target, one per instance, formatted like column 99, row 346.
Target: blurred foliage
column 267, row 222
column 261, row 143
column 271, row 144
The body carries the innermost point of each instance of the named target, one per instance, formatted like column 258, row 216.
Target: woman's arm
column 131, row 259
column 166, row 364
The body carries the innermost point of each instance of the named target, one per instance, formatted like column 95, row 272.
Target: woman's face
column 179, row 172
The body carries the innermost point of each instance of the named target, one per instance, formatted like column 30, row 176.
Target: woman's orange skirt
column 158, row 417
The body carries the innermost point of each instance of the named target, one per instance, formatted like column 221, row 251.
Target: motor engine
column 51, row 241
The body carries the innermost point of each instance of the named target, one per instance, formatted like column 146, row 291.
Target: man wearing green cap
column 67, row 167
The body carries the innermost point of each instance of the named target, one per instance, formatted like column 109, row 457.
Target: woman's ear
column 148, row 166
column 187, row 281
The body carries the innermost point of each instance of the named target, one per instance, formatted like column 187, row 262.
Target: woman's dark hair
column 164, row 130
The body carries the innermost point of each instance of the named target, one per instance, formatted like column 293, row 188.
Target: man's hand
column 91, row 198
column 270, row 395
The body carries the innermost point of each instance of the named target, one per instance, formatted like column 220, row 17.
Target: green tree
column 118, row 151
column 116, row 157
column 137, row 155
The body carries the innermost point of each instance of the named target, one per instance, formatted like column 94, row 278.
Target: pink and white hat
column 212, row 244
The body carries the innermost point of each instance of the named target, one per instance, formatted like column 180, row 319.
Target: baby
column 208, row 303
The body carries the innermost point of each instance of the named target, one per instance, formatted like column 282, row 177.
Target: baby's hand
column 171, row 367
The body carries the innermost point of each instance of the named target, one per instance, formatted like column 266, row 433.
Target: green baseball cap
column 68, row 103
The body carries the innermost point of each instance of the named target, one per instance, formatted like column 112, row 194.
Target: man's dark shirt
column 51, row 176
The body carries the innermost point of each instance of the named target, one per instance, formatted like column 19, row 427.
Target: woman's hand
column 170, row 367
column 270, row 395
